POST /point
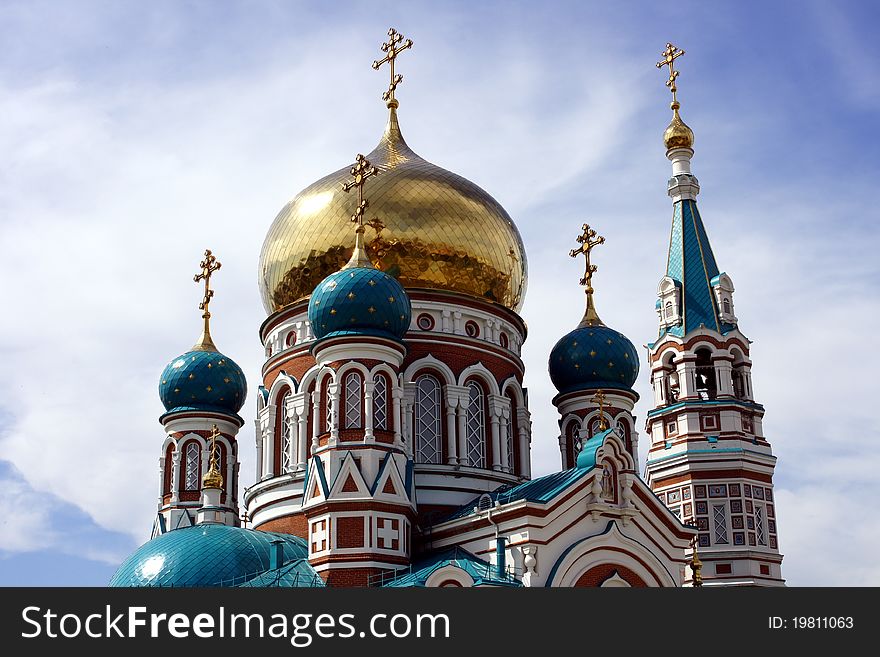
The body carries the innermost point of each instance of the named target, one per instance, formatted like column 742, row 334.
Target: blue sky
column 134, row 136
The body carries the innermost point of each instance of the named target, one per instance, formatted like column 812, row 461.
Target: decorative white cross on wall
column 387, row 533
column 319, row 536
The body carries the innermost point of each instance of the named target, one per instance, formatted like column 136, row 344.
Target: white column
column 523, row 423
column 333, row 399
column 259, row 441
column 229, row 482
column 457, row 324
column 506, row 461
column 451, row 449
column 659, row 382
column 687, row 381
column 396, row 396
column 161, row 480
column 316, row 418
column 724, row 377
column 462, row 433
column 409, row 399
column 175, row 475
column 368, row 410
column 496, row 439
column 302, row 422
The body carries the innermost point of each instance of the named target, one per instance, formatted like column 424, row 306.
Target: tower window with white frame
column 286, row 430
column 427, row 420
column 191, row 466
column 353, row 400
column 475, row 427
column 380, row 402
column 669, row 306
column 722, row 287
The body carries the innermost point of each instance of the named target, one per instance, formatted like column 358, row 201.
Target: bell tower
column 708, row 460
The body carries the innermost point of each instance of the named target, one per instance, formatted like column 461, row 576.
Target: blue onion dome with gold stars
column 360, row 301
column 592, row 356
column 203, row 380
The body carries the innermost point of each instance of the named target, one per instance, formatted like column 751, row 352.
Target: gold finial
column 696, row 565
column 599, row 398
column 213, row 478
column 392, row 50
column 587, row 240
column 361, row 170
column 209, row 265
column 678, row 134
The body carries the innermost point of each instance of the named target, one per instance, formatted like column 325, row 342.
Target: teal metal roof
column 692, row 264
column 593, row 357
column 211, row 555
column 705, row 402
column 203, row 381
column 298, row 574
column 482, row 572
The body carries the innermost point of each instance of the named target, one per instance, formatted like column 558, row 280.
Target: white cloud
column 111, row 192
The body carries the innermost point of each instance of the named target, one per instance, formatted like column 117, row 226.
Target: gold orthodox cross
column 587, row 240
column 669, row 56
column 214, row 455
column 209, row 265
column 361, row 170
column 599, row 398
column 392, row 50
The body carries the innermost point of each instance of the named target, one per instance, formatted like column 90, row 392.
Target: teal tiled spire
column 692, row 264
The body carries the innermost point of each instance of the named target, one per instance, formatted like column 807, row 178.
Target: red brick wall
column 349, row 532
column 598, row 574
column 295, row 524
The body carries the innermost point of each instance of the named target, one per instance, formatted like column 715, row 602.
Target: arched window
column 572, row 444
column 668, row 309
column 726, row 305
column 326, row 405
column 353, row 399
column 475, row 430
column 427, row 420
column 191, row 466
column 380, row 402
column 286, row 431
column 706, row 382
column 513, row 437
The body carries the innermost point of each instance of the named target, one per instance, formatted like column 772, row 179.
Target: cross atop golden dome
column 677, row 134
column 209, row 265
column 392, row 50
column 587, row 240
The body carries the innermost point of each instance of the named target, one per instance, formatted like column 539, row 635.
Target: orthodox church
column 392, row 428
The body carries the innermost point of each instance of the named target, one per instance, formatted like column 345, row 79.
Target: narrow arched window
column 427, row 420
column 169, row 465
column 726, row 306
column 353, row 396
column 668, row 309
column 508, row 428
column 380, row 402
column 191, row 467
column 475, row 433
column 286, row 431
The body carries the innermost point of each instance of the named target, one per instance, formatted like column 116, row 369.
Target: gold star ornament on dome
column 392, row 48
column 588, row 239
column 209, row 265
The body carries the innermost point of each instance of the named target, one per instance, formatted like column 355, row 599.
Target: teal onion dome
column 203, row 380
column 218, row 555
column 360, row 301
column 593, row 357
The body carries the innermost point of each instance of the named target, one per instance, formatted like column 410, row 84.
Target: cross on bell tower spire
column 587, row 240
column 209, row 265
column 392, row 50
column 669, row 56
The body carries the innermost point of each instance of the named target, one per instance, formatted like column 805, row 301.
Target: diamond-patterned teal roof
column 203, row 381
column 692, row 263
column 210, row 555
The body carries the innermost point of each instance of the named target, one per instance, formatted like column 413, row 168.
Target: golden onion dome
column 427, row 227
column 678, row 134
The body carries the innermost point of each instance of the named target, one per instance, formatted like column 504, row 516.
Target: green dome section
column 360, row 301
column 593, row 357
column 203, row 381
column 217, row 555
